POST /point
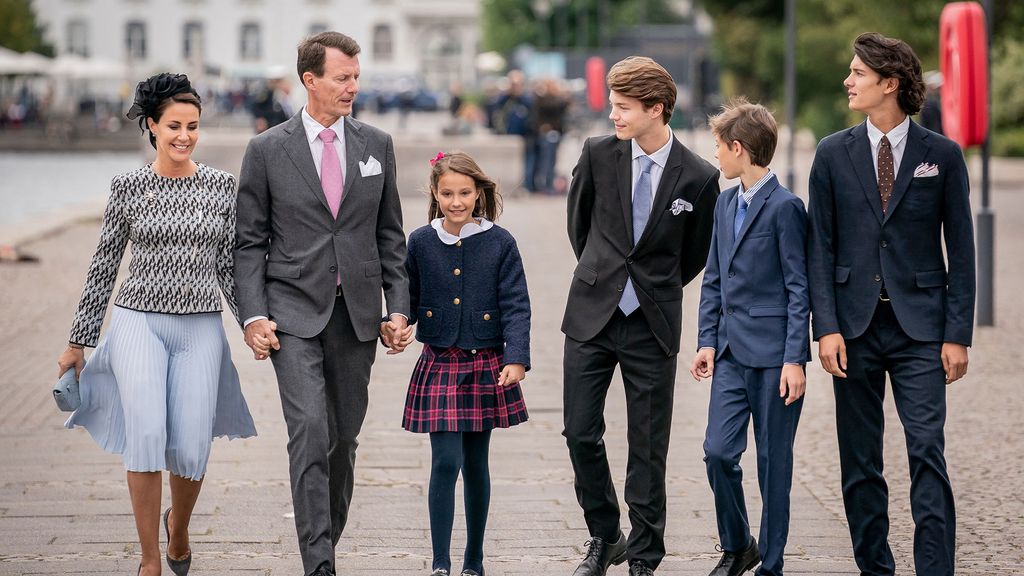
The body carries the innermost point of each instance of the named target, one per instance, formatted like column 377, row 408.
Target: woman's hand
column 71, row 358
column 511, row 374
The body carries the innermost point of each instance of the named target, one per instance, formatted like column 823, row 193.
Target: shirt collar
column 314, row 128
column 469, row 229
column 896, row 135
column 660, row 157
column 748, row 195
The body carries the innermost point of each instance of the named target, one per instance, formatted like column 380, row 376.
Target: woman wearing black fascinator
column 160, row 384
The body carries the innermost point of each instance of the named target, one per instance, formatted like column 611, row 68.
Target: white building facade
column 230, row 39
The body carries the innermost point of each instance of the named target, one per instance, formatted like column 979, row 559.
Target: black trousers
column 919, row 391
column 323, row 385
column 649, row 378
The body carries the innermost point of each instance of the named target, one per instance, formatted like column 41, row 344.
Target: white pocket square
column 371, row 167
column 680, row 205
column 926, row 170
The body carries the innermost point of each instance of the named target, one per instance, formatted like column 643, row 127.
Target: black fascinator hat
column 153, row 92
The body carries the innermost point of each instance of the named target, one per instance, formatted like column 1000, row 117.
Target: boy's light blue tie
column 741, row 214
column 642, row 198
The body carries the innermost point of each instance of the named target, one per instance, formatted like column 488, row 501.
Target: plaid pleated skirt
column 456, row 390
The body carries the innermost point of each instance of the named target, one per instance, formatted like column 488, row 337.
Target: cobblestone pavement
column 64, row 506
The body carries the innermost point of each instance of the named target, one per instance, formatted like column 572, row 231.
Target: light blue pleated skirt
column 158, row 389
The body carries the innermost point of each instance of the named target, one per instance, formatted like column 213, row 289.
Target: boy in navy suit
column 753, row 337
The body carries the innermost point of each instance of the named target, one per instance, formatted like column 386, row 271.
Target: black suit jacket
column 671, row 252
column 854, row 248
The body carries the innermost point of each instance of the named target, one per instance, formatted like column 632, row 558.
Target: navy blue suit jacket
column 754, row 300
column 854, row 247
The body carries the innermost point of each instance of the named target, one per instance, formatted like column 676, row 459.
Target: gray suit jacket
column 289, row 249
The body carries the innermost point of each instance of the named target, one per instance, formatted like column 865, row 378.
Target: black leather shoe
column 600, row 555
column 468, row 572
column 322, row 571
column 439, row 572
column 736, row 563
column 640, row 568
column 179, row 567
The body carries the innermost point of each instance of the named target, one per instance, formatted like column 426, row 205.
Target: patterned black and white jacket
column 182, row 232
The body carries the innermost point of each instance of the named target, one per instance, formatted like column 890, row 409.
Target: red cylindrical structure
column 596, row 92
column 963, row 53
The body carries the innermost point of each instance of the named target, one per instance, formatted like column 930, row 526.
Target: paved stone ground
column 64, row 506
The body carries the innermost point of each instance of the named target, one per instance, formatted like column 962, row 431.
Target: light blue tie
column 741, row 214
column 642, row 197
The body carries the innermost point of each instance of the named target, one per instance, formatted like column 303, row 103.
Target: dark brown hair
column 894, row 58
column 313, row 51
column 488, row 204
column 644, row 79
column 154, row 94
column 752, row 125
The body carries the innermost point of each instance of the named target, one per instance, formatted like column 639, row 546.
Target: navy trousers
column 919, row 391
column 740, row 394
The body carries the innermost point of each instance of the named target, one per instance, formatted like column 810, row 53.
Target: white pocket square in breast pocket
column 371, row 167
column 679, row 205
column 926, row 170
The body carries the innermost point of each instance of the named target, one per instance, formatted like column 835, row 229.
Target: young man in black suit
column 641, row 208
column 884, row 195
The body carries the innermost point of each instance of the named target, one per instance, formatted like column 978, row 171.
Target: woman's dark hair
column 894, row 58
column 154, row 94
column 488, row 204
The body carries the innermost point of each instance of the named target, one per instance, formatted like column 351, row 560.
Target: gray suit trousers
column 323, row 383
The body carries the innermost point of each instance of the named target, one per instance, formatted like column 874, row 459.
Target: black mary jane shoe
column 179, row 567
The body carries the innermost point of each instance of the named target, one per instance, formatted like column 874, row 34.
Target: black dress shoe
column 323, row 571
column 179, row 567
column 640, row 568
column 600, row 555
column 736, row 563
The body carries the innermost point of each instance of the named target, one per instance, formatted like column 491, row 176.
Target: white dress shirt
column 660, row 158
column 897, row 141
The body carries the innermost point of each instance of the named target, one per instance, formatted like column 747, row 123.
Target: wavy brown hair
column 894, row 58
column 488, row 204
column 644, row 79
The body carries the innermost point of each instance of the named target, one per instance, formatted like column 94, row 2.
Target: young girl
column 472, row 308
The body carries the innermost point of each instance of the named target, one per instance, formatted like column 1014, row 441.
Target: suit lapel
column 859, row 148
column 756, row 203
column 726, row 227
column 355, row 144
column 913, row 154
column 297, row 147
column 624, row 179
column 669, row 178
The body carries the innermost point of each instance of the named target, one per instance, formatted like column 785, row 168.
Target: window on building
column 78, row 38
column 250, row 47
column 135, row 40
column 317, row 27
column 383, row 49
column 192, row 41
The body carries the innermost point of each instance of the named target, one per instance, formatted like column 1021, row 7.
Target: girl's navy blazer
column 471, row 294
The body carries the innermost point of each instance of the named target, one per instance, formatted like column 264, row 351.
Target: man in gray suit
column 319, row 239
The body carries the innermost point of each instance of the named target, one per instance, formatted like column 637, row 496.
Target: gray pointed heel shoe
column 179, row 567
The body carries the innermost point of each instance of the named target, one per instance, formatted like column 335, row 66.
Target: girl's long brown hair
column 488, row 204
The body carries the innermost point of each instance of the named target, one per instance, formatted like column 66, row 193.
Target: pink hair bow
column 436, row 158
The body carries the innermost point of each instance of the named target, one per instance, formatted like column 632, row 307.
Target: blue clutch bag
column 65, row 392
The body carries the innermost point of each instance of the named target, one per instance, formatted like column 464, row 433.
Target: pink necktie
column 330, row 172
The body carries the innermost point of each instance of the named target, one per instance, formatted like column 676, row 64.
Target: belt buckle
column 337, row 291
column 883, row 295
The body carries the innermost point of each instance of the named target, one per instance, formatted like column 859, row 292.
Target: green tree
column 19, row 30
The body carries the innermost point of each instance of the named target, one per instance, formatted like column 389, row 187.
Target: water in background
column 33, row 185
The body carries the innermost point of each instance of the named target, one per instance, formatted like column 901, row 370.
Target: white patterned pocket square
column 371, row 167
column 926, row 170
column 680, row 205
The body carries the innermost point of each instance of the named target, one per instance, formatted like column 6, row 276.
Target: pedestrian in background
column 161, row 385
column 472, row 311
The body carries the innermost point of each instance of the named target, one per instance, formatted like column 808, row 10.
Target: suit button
column 884, row 243
column 878, row 277
column 333, row 268
column 487, row 316
column 457, row 271
column 337, row 232
column 458, row 243
column 430, row 314
column 629, row 260
column 732, row 274
column 457, row 301
column 619, row 287
column 730, row 311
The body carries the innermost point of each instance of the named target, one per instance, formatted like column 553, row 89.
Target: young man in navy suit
column 753, row 337
column 885, row 196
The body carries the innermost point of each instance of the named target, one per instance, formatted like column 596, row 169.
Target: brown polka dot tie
column 886, row 171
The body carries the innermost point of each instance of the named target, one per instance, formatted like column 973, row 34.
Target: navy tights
column 452, row 452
